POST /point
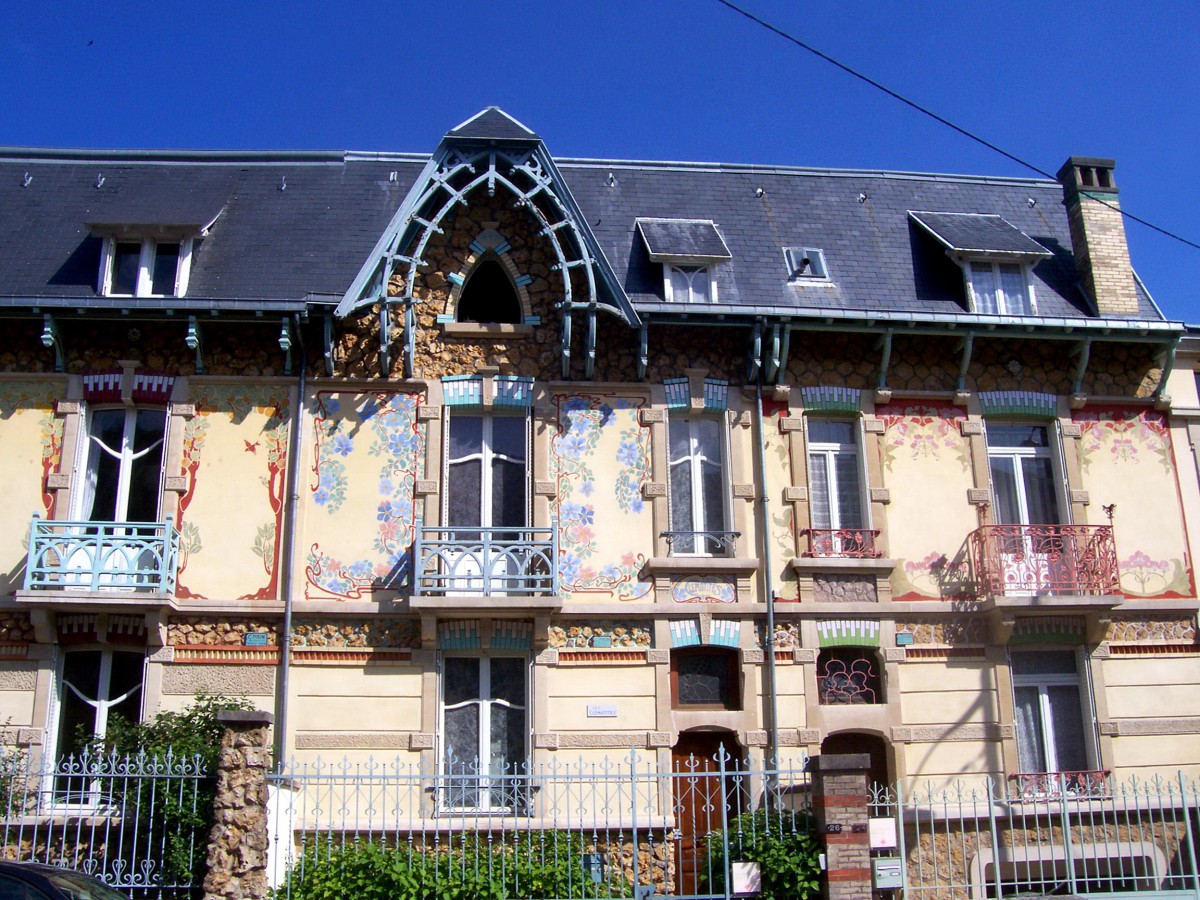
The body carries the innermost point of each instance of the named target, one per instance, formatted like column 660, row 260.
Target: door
column 1035, row 557
column 486, row 492
column 699, row 798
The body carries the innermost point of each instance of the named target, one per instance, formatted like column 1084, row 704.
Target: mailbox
column 886, row 873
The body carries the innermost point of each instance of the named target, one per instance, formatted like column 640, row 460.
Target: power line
column 940, row 119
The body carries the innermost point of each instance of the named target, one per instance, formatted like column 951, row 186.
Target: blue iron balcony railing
column 102, row 556
column 490, row 562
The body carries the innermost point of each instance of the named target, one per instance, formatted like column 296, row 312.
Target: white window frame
column 1002, row 303
column 103, row 703
column 694, row 462
column 82, row 494
column 485, row 703
column 486, row 456
column 1051, row 452
column 691, row 272
column 1043, row 682
column 145, row 278
column 831, row 451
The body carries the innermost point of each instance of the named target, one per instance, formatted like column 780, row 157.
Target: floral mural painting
column 778, row 450
column 38, row 398
column 591, row 499
column 273, row 403
column 1128, row 456
column 924, row 432
column 348, row 430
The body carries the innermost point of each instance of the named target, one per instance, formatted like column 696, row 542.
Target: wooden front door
column 698, row 800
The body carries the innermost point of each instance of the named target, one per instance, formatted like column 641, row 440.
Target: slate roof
column 300, row 225
column 971, row 233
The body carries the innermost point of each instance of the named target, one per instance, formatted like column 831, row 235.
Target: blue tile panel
column 685, row 633
column 830, row 398
column 1018, row 403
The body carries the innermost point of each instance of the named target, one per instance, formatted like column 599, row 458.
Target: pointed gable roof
column 490, row 149
column 491, row 124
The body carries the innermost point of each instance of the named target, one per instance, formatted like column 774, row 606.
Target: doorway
column 699, row 798
column 860, row 742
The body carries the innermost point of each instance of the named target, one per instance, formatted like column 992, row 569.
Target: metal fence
column 1136, row 837
column 140, row 823
column 611, row 827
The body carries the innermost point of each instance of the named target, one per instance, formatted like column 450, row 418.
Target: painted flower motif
column 321, row 496
column 575, row 404
column 578, row 514
column 637, row 504
column 392, row 509
column 587, row 488
column 329, row 406
column 627, row 453
column 568, row 566
column 1124, row 449
column 924, row 445
column 341, row 445
column 610, row 571
column 387, row 486
column 1141, row 560
column 369, row 410
column 572, row 445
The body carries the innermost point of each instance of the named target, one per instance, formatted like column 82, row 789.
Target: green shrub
column 533, row 865
column 785, row 845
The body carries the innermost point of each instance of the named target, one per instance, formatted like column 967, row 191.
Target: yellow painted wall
column 30, row 448
column 235, row 456
column 571, row 689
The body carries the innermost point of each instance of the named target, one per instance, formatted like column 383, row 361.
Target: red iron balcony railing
column 1056, row 785
column 847, row 543
column 1015, row 560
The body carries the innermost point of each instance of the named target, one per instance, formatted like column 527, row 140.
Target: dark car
column 34, row 881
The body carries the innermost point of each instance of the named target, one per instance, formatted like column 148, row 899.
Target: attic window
column 145, row 267
column 690, row 284
column 489, row 297
column 805, row 262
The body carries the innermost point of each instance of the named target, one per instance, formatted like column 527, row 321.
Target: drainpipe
column 289, row 554
column 764, row 521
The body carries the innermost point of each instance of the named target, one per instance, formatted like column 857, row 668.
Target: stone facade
column 238, row 844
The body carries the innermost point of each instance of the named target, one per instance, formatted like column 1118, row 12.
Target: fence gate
column 1059, row 833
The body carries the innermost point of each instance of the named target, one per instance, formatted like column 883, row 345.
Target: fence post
column 840, row 803
column 238, row 842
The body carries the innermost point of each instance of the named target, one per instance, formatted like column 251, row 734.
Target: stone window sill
column 493, row 330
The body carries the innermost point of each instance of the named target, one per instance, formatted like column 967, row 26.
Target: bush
column 785, row 845
column 534, row 865
column 177, row 820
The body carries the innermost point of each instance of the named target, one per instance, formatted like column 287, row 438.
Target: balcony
column 1057, row 785
column 488, row 562
column 700, row 543
column 1055, row 560
column 842, row 543
column 92, row 557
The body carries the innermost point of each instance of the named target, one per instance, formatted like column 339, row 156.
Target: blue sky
column 638, row 79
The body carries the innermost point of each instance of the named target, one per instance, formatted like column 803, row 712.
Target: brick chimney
column 1098, row 234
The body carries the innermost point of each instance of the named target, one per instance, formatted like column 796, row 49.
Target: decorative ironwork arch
column 526, row 172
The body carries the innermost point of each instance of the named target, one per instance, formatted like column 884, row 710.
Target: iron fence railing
column 1045, row 559
column 139, row 823
column 701, row 543
column 102, row 556
column 847, row 543
column 992, row 840
column 499, row 561
column 600, row 827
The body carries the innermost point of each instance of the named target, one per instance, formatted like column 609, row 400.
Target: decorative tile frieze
column 970, row 427
column 428, row 412
column 787, row 634
column 1145, row 629
column 1080, row 496
column 1072, row 430
column 979, row 496
column 188, row 631
column 602, row 635
column 658, row 657
column 425, row 487
column 936, row 734
column 881, row 495
column 652, row 489
column 894, row 654
column 57, row 481
column 838, row 587
column 184, row 410
column 652, row 416
column 352, row 740
column 848, row 633
column 947, row 631
column 743, row 491
column 1149, row 727
column 873, row 425
column 753, row 656
column 67, row 407
column 545, row 488
column 795, row 494
column 400, row 633
column 789, row 424
column 804, row 655
column 1018, row 403
column 176, row 484
column 420, row 740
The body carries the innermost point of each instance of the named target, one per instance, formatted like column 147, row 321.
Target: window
column 1022, row 470
column 835, row 488
column 706, row 678
column 697, row 486
column 848, row 675
column 1048, row 712
column 488, row 297
column 487, row 494
column 805, row 263
column 123, row 472
column 690, row 284
column 95, row 687
column 484, row 732
column 1000, row 288
column 145, row 268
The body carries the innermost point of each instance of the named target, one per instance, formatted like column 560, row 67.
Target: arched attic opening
column 489, row 297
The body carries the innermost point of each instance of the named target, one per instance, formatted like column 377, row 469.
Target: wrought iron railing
column 1053, row 785
column 491, row 562
column 138, row 822
column 701, row 543
column 102, row 556
column 847, row 543
column 1045, row 559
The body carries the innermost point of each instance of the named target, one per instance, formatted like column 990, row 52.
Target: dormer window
column 1000, row 288
column 690, row 284
column 689, row 250
column 145, row 267
column 995, row 256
